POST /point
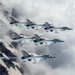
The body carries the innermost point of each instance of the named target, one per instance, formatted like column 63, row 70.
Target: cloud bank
column 59, row 13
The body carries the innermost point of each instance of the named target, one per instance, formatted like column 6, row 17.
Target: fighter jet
column 39, row 40
column 49, row 27
column 21, row 38
column 34, row 58
column 30, row 24
column 15, row 22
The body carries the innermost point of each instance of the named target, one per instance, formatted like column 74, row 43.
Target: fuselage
column 29, row 58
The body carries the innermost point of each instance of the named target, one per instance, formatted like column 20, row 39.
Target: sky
column 57, row 12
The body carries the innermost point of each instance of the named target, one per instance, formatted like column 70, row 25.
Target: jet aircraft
column 21, row 38
column 39, row 40
column 34, row 58
column 49, row 27
column 16, row 22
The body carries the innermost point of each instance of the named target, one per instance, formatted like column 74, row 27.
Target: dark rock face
column 20, row 69
column 3, row 70
column 4, row 50
column 8, row 53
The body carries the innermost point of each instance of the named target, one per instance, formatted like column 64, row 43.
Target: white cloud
column 59, row 13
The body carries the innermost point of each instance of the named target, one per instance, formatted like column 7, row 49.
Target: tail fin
column 29, row 22
column 15, row 35
column 37, row 37
column 25, row 54
column 13, row 20
column 47, row 24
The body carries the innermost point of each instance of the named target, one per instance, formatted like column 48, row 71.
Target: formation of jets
column 46, row 26
column 49, row 27
column 35, row 38
column 21, row 38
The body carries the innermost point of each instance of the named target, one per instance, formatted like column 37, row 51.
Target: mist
column 59, row 13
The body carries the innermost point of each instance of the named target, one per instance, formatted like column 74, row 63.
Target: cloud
column 59, row 13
